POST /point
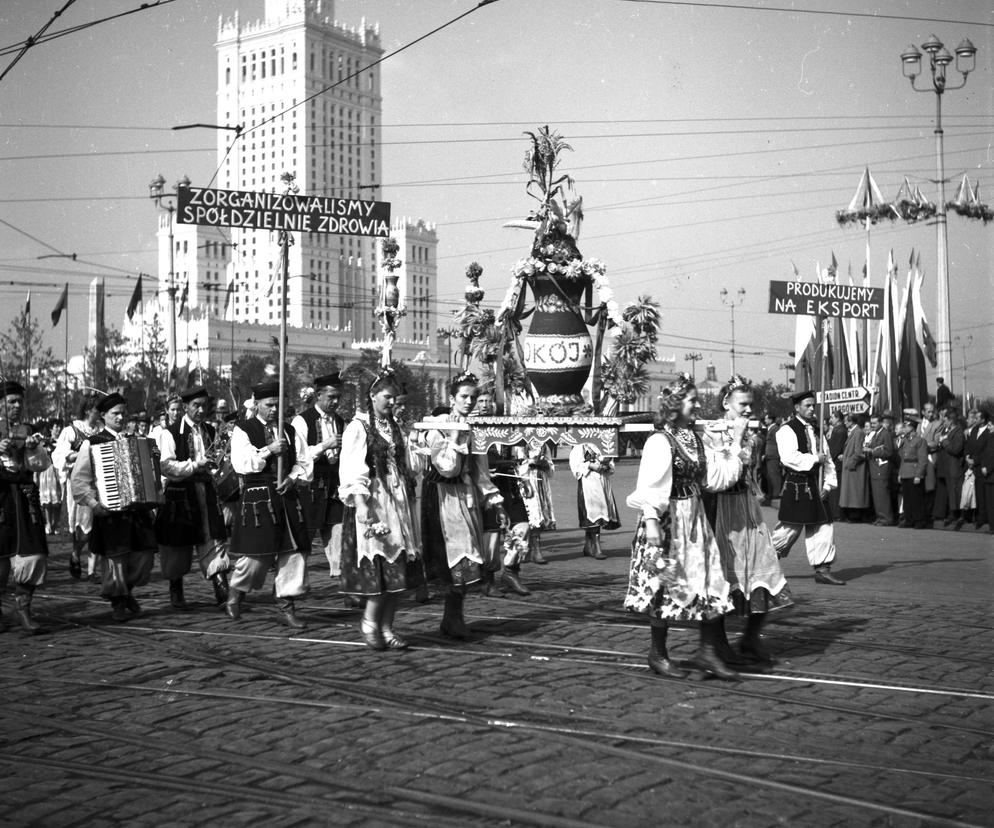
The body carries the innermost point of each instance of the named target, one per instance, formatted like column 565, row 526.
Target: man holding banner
column 809, row 474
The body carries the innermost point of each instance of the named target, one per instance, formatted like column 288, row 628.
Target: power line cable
column 828, row 12
column 32, row 40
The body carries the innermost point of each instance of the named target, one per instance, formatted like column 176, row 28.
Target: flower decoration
column 376, row 530
column 515, row 547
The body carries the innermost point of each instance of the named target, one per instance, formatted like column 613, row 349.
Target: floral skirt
column 369, row 577
column 681, row 580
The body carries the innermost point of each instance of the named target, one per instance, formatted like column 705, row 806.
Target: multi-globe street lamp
column 939, row 59
column 156, row 191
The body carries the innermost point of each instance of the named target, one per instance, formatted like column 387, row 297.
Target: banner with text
column 827, row 300
column 277, row 211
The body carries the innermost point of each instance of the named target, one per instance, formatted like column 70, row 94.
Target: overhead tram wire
column 783, row 10
column 151, row 4
column 344, row 80
column 27, row 44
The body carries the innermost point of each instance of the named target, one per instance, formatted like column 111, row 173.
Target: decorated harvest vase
column 558, row 348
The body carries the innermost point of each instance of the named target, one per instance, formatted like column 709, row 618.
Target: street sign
column 826, row 300
column 840, row 395
column 282, row 211
column 854, row 407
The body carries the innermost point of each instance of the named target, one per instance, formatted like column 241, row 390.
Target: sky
column 712, row 147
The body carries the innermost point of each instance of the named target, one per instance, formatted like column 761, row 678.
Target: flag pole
column 284, row 280
column 65, row 378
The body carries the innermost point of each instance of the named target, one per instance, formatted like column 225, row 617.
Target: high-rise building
column 270, row 74
column 273, row 79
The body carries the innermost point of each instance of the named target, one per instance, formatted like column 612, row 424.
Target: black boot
column 22, row 609
column 659, row 658
column 131, row 605
column 706, row 659
column 723, row 648
column 535, row 548
column 288, row 614
column 453, row 625
column 751, row 645
column 509, row 580
column 220, row 583
column 176, row 599
column 233, row 606
column 120, row 610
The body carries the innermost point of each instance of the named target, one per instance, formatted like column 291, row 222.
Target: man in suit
column 985, row 463
column 943, row 396
column 929, row 430
column 879, row 451
column 836, row 445
column 949, row 468
column 978, row 433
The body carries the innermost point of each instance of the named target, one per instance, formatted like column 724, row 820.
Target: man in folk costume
column 809, row 474
column 321, row 429
column 23, row 545
column 123, row 541
column 270, row 528
column 190, row 520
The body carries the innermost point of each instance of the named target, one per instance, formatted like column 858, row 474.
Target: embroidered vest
column 256, row 433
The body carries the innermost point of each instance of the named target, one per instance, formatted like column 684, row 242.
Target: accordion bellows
column 127, row 473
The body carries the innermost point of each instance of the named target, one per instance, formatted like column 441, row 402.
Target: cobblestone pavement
column 879, row 712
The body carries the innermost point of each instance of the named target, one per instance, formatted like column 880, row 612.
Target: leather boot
column 288, row 614
column 131, row 605
column 823, row 575
column 120, row 610
column 22, row 609
column 220, row 583
column 535, row 549
column 453, row 625
column 233, row 606
column 706, row 658
column 751, row 645
column 723, row 648
column 659, row 658
column 509, row 580
column 176, row 599
column 3, row 624
column 75, row 565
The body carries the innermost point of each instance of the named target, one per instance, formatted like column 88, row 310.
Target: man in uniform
column 23, row 545
column 809, row 474
column 191, row 518
column 320, row 427
column 124, row 541
column 270, row 528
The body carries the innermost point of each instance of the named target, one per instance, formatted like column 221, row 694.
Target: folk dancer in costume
column 595, row 502
column 23, row 545
column 190, row 520
column 809, row 474
column 504, row 546
column 270, row 527
column 676, row 571
column 63, row 458
column 380, row 539
column 169, row 417
column 50, row 487
column 457, row 490
column 537, row 469
column 749, row 561
column 123, row 540
column 321, row 429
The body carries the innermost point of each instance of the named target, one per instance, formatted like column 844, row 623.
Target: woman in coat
column 854, row 494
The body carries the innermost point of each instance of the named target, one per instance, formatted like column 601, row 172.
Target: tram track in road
column 584, row 738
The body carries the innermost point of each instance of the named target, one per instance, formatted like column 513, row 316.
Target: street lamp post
column 732, row 304
column 939, row 59
column 447, row 334
column 787, row 367
column 156, row 191
column 693, row 359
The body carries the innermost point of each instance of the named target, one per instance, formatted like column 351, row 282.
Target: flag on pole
column 27, row 304
column 61, row 305
column 184, row 296
column 885, row 370
column 805, row 351
column 136, row 299
column 911, row 364
column 854, row 351
column 227, row 297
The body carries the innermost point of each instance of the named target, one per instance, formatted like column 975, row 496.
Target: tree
column 27, row 360
column 248, row 370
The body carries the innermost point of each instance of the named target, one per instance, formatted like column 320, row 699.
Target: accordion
column 127, row 474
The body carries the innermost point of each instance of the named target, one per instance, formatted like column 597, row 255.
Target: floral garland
column 575, row 270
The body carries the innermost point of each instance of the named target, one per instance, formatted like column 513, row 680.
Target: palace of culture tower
column 269, row 73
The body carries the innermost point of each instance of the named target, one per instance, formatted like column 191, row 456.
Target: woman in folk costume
column 64, row 456
column 457, row 489
column 594, row 497
column 676, row 572
column 124, row 540
column 49, row 483
column 749, row 560
column 379, row 535
column 537, row 469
